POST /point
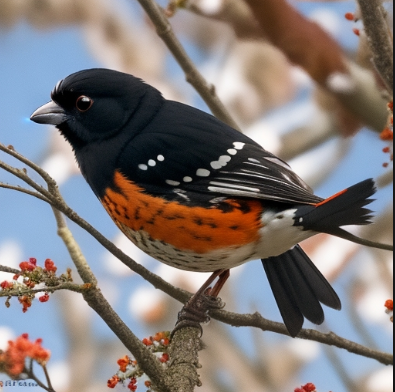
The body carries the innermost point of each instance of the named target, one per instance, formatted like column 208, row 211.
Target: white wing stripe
column 256, row 164
column 245, row 188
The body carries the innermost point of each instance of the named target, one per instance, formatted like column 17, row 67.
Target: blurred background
column 274, row 102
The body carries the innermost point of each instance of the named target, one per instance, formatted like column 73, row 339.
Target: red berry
column 50, row 266
column 350, row 16
column 309, row 387
column 356, row 31
column 44, row 298
column 27, row 266
column 389, row 304
column 6, row 285
column 147, row 342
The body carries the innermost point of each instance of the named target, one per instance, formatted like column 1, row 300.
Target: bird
column 198, row 195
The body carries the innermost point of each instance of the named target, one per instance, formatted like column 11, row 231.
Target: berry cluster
column 31, row 276
column 13, row 359
column 129, row 370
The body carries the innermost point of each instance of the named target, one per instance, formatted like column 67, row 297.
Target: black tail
column 343, row 209
column 299, row 289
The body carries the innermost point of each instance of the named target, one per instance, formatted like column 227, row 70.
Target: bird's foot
column 196, row 311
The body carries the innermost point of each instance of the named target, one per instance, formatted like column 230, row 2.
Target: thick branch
column 193, row 76
column 184, row 349
column 379, row 39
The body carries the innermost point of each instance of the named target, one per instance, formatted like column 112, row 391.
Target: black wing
column 186, row 150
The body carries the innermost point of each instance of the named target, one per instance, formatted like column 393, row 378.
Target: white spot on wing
column 151, row 162
column 225, row 159
column 187, row 179
column 202, row 172
column 216, row 164
column 142, row 166
column 172, row 183
column 239, row 145
column 222, row 161
column 160, row 158
column 232, row 151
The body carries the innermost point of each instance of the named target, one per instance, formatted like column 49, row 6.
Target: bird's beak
column 50, row 113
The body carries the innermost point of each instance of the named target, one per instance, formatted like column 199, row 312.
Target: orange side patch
column 195, row 229
column 331, row 198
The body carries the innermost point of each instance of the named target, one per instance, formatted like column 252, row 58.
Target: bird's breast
column 199, row 230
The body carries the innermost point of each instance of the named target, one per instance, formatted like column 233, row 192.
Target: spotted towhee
column 195, row 193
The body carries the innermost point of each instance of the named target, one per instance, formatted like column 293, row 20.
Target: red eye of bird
column 83, row 103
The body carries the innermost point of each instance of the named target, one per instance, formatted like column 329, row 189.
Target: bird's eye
column 83, row 103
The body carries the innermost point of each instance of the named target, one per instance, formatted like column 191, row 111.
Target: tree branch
column 183, row 351
column 9, row 270
column 331, row 339
column 99, row 303
column 193, row 76
column 379, row 39
column 77, row 288
column 23, row 190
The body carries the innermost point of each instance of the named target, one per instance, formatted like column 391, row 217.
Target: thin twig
column 77, row 288
column 30, row 374
column 24, row 190
column 331, row 339
column 47, row 377
column 9, row 270
column 379, row 40
column 73, row 248
column 45, row 176
column 193, row 76
column 22, row 175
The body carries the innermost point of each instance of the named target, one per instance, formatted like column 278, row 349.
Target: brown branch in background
column 193, row 76
column 379, row 39
column 303, row 41
column 340, row 369
column 306, row 44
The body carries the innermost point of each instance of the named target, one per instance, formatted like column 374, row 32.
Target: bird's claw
column 196, row 312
